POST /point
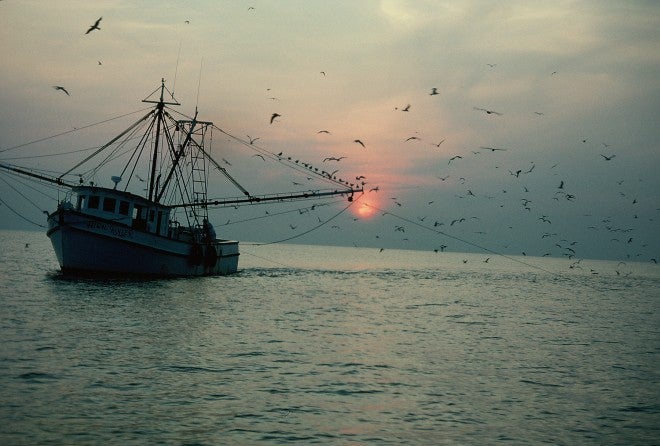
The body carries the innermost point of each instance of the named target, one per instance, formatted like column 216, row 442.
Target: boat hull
column 88, row 245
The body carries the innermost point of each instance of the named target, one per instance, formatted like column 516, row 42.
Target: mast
column 154, row 161
column 160, row 106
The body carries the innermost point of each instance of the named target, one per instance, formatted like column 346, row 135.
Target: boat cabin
column 123, row 207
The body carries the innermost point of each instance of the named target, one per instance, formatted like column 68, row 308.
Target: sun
column 364, row 211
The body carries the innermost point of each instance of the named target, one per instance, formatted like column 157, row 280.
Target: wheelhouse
column 123, row 207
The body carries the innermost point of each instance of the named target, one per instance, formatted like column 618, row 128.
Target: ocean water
column 327, row 345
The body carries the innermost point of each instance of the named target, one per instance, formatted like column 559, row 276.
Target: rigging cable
column 277, row 214
column 351, row 203
column 453, row 237
column 21, row 216
column 71, row 131
column 16, row 212
column 22, row 195
column 305, row 168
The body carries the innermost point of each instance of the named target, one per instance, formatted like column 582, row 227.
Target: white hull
column 86, row 244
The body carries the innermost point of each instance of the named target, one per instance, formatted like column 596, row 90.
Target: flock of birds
column 569, row 249
column 530, row 199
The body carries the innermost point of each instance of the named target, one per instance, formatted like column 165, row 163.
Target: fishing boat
column 166, row 231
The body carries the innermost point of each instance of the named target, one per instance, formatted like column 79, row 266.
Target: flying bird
column 323, row 131
column 94, row 26
column 332, row 158
column 434, row 91
column 438, row 144
column 57, row 87
column 260, row 156
column 490, row 112
column 412, row 137
column 273, row 116
column 252, row 140
column 359, row 142
column 454, row 158
column 607, row 158
column 492, row 149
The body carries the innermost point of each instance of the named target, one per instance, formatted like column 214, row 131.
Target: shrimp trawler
column 166, row 231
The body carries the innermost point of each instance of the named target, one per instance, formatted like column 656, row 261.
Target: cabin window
column 109, row 204
column 152, row 215
column 93, row 202
column 124, row 207
column 81, row 201
column 138, row 218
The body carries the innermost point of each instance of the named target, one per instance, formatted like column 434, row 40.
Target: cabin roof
column 107, row 192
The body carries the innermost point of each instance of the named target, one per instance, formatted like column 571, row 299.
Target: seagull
column 492, row 149
column 323, row 131
column 406, row 108
column 359, row 142
column 490, row 112
column 492, row 65
column 260, row 156
column 252, row 140
column 607, row 158
column 412, row 137
column 94, row 26
column 434, row 91
column 454, row 157
column 274, row 115
column 332, row 158
column 57, row 87
column 438, row 144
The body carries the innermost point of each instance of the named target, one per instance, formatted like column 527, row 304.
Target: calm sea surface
column 340, row 346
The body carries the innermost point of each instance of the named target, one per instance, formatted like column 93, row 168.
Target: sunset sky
column 543, row 137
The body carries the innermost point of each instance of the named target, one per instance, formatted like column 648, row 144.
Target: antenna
column 176, row 69
column 199, row 82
